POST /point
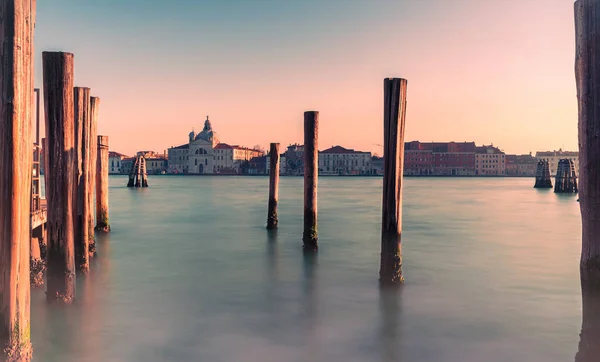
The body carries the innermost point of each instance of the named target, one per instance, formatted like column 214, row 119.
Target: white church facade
column 204, row 154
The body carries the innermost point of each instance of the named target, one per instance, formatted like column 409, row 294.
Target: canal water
column 190, row 274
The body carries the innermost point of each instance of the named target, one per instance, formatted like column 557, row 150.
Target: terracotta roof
column 484, row 149
column 340, row 150
column 115, row 154
column 223, row 146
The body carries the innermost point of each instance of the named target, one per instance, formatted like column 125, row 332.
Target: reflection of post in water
column 310, row 266
column 589, row 339
column 272, row 254
column 389, row 308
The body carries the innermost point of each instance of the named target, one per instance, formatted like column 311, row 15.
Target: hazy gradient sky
column 487, row 71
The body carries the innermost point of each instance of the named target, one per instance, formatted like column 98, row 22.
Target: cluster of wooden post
column 566, row 178
column 102, row 222
column 16, row 159
column 391, row 226
column 542, row 175
column 138, row 177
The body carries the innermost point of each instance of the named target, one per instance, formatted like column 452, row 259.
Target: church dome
column 207, row 133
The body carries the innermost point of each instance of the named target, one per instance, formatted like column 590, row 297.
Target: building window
column 196, row 162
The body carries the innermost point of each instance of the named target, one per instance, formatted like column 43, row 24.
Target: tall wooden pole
column 82, row 152
column 272, row 219
column 16, row 160
column 589, row 348
column 394, row 90
column 587, row 76
column 102, row 223
column 60, row 175
column 94, row 109
column 311, row 175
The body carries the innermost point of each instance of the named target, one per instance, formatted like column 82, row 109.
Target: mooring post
column 589, row 348
column 82, row 151
column 394, row 90
column 60, row 134
column 94, row 109
column 310, row 236
column 16, row 162
column 587, row 77
column 102, row 223
column 144, row 173
column 45, row 155
column 272, row 218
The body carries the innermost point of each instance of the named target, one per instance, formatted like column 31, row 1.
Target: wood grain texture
column 16, row 160
column 587, row 76
column 310, row 235
column 94, row 110
column 102, row 221
column 272, row 218
column 82, row 155
column 61, row 175
column 390, row 271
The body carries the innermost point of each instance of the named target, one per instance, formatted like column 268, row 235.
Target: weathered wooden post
column 394, row 90
column 144, row 173
column 94, row 109
column 102, row 223
column 272, row 219
column 82, row 151
column 16, row 160
column 587, row 76
column 310, row 236
column 60, row 175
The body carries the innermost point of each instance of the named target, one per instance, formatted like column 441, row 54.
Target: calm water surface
column 190, row 274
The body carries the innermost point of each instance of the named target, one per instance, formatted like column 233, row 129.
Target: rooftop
column 340, row 150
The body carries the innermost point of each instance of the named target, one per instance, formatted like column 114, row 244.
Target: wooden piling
column 542, row 175
column 390, row 271
column 94, row 109
column 272, row 219
column 16, row 160
column 310, row 235
column 102, row 223
column 565, row 181
column 589, row 348
column 60, row 175
column 82, row 155
column 587, row 76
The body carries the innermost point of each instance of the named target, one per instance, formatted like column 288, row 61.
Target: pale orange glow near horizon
column 496, row 72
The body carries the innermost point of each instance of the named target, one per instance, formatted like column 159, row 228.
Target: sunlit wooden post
column 587, row 76
column 16, row 160
column 102, row 222
column 82, row 152
column 310, row 236
column 60, row 175
column 390, row 271
column 272, row 218
column 94, row 109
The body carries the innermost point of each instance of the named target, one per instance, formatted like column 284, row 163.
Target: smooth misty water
column 190, row 274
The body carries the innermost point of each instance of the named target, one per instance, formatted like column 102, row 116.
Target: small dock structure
column 542, row 175
column 566, row 178
column 138, row 176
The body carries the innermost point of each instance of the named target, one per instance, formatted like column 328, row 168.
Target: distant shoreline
column 406, row 176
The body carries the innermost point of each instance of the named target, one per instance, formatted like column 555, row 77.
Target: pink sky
column 489, row 71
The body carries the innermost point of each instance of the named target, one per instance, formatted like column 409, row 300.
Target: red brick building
column 439, row 158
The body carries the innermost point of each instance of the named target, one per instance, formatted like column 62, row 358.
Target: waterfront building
column 178, row 159
column 520, row 165
column 440, row 158
column 490, row 161
column 230, row 159
column 294, row 160
column 377, row 165
column 554, row 156
column 204, row 154
column 156, row 165
column 115, row 160
column 338, row 160
column 127, row 165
